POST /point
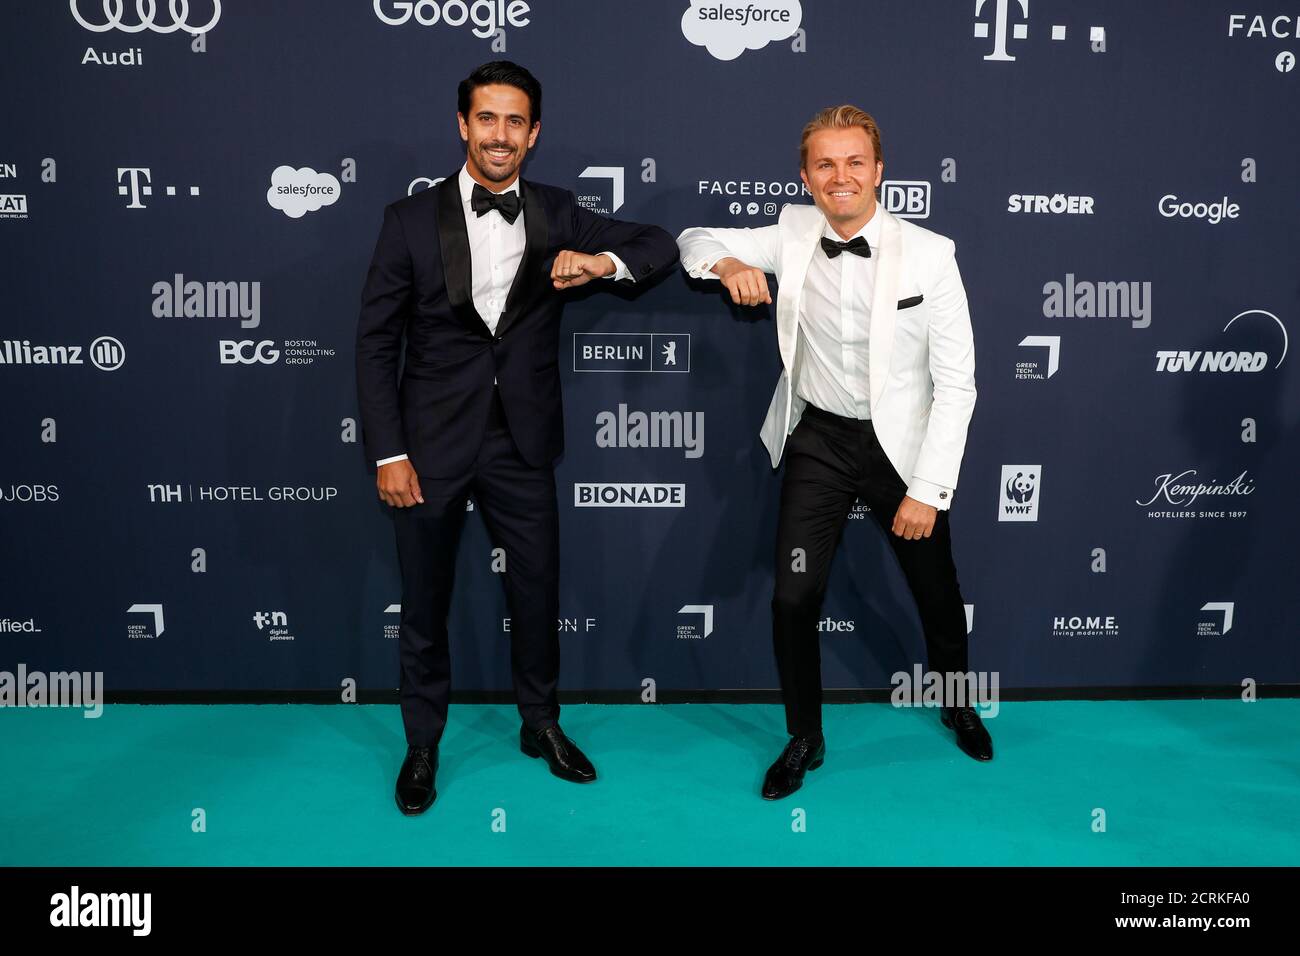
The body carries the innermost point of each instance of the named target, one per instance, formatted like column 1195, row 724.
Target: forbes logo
column 248, row 352
column 628, row 495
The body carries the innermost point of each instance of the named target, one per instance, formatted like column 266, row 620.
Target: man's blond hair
column 841, row 117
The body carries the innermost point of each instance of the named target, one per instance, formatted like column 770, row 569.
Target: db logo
column 237, row 353
column 906, row 199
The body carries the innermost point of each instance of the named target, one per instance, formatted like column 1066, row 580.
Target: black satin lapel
column 457, row 270
column 528, row 277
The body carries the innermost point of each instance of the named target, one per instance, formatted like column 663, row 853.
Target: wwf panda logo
column 1021, row 487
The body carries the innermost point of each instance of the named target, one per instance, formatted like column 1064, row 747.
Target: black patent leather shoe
column 565, row 759
column 785, row 776
column 971, row 735
column 415, row 792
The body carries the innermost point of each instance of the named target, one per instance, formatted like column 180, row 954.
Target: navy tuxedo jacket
column 419, row 285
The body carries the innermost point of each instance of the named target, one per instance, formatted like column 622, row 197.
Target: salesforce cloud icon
column 727, row 28
column 296, row 192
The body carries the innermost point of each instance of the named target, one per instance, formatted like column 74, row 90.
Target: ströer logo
column 296, row 192
column 728, row 29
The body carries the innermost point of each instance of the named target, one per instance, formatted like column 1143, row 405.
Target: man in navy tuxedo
column 473, row 272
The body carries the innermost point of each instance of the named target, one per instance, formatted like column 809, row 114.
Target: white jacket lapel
column 884, row 303
column 799, row 250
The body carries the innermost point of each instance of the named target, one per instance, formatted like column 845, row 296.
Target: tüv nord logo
column 728, row 29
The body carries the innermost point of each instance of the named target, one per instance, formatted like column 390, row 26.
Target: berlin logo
column 631, row 352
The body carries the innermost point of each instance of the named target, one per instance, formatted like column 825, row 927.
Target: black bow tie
column 857, row 245
column 508, row 204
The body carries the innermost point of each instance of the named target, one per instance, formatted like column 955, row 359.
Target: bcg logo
column 248, row 352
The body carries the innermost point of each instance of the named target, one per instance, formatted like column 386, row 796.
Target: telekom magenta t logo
column 1019, row 30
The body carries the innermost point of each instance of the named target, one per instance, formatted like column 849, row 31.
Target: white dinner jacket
column 922, row 350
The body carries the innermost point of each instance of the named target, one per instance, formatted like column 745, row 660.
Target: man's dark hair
column 507, row 73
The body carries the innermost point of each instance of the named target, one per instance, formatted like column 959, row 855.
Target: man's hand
column 573, row 269
column 747, row 285
column 914, row 519
column 398, row 484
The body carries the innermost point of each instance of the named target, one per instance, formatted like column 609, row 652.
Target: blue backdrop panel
column 184, row 502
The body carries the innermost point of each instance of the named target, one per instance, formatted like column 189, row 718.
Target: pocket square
column 911, row 301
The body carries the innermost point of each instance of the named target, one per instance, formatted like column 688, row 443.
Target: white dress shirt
column 835, row 325
column 496, row 248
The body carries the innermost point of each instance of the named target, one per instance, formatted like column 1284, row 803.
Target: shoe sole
column 414, row 813
column 811, row 768
column 943, row 721
column 536, row 754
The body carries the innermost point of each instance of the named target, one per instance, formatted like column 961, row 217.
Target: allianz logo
column 637, row 429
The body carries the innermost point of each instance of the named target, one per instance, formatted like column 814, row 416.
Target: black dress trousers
column 519, row 508
column 831, row 461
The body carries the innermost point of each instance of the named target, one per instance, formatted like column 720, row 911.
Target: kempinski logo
column 1184, row 488
column 634, row 429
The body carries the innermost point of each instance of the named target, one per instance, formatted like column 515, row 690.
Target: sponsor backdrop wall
column 184, row 500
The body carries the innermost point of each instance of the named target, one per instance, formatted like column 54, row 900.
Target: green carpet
column 1180, row 782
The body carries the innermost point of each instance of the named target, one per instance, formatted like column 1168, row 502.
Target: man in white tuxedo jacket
column 874, row 399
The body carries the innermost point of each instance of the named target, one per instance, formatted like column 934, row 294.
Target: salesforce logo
column 486, row 15
column 296, row 192
column 1213, row 212
column 729, row 29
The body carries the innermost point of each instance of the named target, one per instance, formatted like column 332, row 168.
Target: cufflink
column 943, row 494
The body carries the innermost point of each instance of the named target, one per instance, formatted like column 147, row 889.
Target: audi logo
column 146, row 13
